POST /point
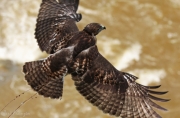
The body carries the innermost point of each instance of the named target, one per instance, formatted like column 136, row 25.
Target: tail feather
column 29, row 66
column 37, row 77
column 53, row 89
column 42, row 80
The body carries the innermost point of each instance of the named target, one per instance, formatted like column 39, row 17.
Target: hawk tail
column 31, row 65
column 42, row 80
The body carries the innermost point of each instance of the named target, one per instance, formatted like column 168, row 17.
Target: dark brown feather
column 46, row 76
column 72, row 3
column 55, row 21
column 112, row 91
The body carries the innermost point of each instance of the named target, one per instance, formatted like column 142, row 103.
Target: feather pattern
column 113, row 91
column 55, row 21
column 45, row 77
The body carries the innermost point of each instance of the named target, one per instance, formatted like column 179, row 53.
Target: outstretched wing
column 112, row 91
column 56, row 23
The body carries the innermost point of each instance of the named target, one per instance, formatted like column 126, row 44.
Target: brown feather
column 55, row 21
column 112, row 91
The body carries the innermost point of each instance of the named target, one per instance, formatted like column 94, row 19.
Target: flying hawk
column 75, row 52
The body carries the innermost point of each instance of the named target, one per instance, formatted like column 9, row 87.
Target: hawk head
column 94, row 28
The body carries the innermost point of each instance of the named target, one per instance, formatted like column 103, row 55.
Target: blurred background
column 142, row 37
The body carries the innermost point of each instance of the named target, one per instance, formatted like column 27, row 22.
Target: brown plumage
column 113, row 91
column 55, row 22
column 66, row 42
column 75, row 52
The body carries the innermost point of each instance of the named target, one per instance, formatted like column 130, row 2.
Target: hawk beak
column 103, row 27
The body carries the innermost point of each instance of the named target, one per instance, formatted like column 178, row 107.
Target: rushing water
column 142, row 37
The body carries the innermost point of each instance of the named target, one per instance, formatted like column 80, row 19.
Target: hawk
column 75, row 52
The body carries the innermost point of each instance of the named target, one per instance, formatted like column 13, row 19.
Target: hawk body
column 75, row 52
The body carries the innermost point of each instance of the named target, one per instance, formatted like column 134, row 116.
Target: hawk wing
column 112, row 91
column 56, row 23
